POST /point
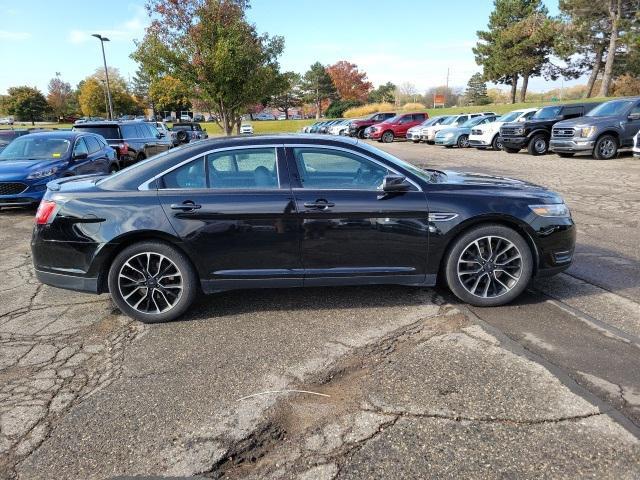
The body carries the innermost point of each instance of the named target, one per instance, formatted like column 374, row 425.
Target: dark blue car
column 29, row 162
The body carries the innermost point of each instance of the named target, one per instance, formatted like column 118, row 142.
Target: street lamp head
column 100, row 37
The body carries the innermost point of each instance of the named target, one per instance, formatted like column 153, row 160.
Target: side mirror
column 395, row 183
column 160, row 135
column 80, row 156
column 634, row 116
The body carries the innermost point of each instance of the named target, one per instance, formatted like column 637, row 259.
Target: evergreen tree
column 476, row 93
column 318, row 86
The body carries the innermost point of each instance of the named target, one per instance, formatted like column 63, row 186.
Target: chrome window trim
column 331, row 147
column 146, row 185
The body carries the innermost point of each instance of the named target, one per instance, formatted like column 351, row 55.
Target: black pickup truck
column 534, row 134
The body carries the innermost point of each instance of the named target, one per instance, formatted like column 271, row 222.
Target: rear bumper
column 68, row 282
column 571, row 145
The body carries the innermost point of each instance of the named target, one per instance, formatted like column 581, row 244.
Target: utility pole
column 106, row 72
column 446, row 91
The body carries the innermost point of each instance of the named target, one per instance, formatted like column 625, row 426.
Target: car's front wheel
column 489, row 265
column 538, row 145
column 387, row 137
column 463, row 141
column 496, row 144
column 606, row 148
column 152, row 282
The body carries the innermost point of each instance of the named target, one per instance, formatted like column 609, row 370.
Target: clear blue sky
column 409, row 41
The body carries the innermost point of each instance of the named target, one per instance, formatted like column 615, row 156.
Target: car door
column 81, row 164
column 631, row 125
column 235, row 212
column 98, row 161
column 350, row 230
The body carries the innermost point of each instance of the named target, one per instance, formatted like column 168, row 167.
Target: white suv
column 488, row 134
column 636, row 145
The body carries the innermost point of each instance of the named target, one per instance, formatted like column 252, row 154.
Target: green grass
column 263, row 126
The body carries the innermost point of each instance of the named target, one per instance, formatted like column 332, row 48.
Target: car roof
column 65, row 134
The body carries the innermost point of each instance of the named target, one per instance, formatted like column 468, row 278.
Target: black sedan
column 292, row 211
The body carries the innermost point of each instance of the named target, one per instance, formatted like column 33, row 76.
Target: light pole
column 106, row 72
column 106, row 102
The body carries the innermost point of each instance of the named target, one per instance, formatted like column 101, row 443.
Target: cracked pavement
column 403, row 381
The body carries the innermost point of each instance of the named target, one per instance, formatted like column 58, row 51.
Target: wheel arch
column 611, row 132
column 505, row 221
column 539, row 131
column 125, row 240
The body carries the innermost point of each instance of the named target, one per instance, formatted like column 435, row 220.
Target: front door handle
column 186, row 206
column 319, row 205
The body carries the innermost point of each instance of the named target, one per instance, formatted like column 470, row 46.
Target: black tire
column 430, row 142
column 565, row 154
column 113, row 168
column 538, row 145
column 466, row 241
column 415, row 141
column 387, row 137
column 496, row 143
column 360, row 133
column 463, row 141
column 190, row 284
column 182, row 136
column 510, row 150
column 606, row 148
column 140, row 157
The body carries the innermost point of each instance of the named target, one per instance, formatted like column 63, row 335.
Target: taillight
column 123, row 148
column 45, row 212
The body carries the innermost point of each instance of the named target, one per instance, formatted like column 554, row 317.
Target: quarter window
column 327, row 169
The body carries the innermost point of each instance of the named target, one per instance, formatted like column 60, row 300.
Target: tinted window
column 110, row 132
column 80, row 147
column 528, row 115
column 191, row 175
column 321, row 168
column 419, row 117
column 143, row 131
column 92, row 144
column 387, row 115
column 573, row 111
column 154, row 131
column 635, row 110
column 615, row 108
column 253, row 168
column 35, row 148
column 129, row 131
column 547, row 113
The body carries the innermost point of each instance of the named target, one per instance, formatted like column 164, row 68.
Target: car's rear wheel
column 538, row 145
column 463, row 141
column 387, row 137
column 489, row 265
column 152, row 282
column 496, row 144
column 606, row 148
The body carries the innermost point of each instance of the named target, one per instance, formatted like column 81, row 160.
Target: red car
column 396, row 127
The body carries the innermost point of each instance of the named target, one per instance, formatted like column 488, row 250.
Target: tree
column 350, row 83
column 60, row 97
column 477, row 90
column 169, row 94
column 621, row 15
column 288, row 94
column 318, row 86
column 338, row 107
column 92, row 94
column 507, row 49
column 382, row 94
column 140, row 88
column 407, row 92
column 214, row 51
column 27, row 103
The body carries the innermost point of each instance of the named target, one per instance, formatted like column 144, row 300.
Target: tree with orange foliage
column 350, row 83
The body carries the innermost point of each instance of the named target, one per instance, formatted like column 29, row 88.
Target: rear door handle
column 319, row 205
column 187, row 206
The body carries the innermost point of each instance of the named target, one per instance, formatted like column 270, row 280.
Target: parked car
column 132, row 141
column 7, row 136
column 6, row 121
column 357, row 127
column 339, row 128
column 168, row 133
column 246, row 129
column 169, row 119
column 30, row 161
column 188, row 132
column 459, row 136
column 415, row 133
column 396, row 127
column 429, row 133
column 534, row 134
column 264, row 116
column 211, row 118
column 198, row 117
column 282, row 116
column 325, row 127
column 185, row 117
column 488, row 135
column 601, row 132
column 636, row 145
column 486, row 236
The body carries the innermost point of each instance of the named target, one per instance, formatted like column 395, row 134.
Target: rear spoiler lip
column 54, row 185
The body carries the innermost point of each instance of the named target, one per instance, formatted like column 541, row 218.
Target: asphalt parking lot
column 363, row 382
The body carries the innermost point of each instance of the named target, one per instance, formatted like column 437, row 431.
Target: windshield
column 35, row 148
column 612, row 108
column 418, row 172
column 449, row 120
column 547, row 112
column 473, row 121
column 509, row 117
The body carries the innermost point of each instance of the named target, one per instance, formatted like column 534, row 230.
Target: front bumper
column 414, row 136
column 479, row 141
column 515, row 142
column 555, row 240
column 29, row 196
column 571, row 145
column 446, row 141
column 375, row 135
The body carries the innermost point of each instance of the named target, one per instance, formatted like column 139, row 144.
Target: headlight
column 551, row 210
column 518, row 131
column 43, row 173
column 448, row 135
column 585, row 132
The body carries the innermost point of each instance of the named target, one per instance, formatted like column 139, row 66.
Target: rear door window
column 80, row 147
column 129, row 131
column 92, row 144
column 571, row 112
column 419, row 117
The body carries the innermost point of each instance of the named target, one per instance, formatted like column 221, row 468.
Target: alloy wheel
column 607, row 148
column 489, row 267
column 150, row 283
column 540, row 145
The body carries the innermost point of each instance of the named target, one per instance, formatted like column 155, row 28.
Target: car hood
column 454, row 130
column 452, row 177
column 22, row 168
column 588, row 121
